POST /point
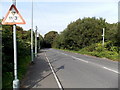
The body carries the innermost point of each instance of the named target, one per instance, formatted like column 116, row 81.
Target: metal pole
column 36, row 42
column 103, row 36
column 15, row 81
column 39, row 41
column 32, row 34
column 14, row 2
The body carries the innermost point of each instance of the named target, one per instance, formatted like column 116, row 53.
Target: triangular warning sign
column 13, row 17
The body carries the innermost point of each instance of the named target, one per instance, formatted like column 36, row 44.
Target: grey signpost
column 36, row 42
column 32, row 35
column 13, row 17
column 16, row 80
column 39, row 42
column 103, row 36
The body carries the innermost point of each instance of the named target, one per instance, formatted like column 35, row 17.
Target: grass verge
column 98, row 52
column 8, row 77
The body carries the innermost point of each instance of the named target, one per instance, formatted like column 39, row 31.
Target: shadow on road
column 61, row 67
column 37, row 72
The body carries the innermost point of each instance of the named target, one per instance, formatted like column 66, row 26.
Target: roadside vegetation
column 82, row 36
column 23, row 54
column 108, row 51
column 98, row 51
column 49, row 38
column 85, row 36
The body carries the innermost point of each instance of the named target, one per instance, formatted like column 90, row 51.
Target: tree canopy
column 49, row 38
column 84, row 32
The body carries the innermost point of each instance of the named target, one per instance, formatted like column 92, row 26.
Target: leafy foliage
column 85, row 32
column 85, row 35
column 49, row 38
column 23, row 52
column 40, row 41
column 23, row 48
column 109, row 51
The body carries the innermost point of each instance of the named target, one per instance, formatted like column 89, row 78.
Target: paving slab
column 39, row 74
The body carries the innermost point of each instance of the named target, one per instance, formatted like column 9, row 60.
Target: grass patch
column 22, row 68
column 108, row 51
column 8, row 77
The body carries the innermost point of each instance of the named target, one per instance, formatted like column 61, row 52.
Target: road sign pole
column 32, row 35
column 36, row 42
column 103, row 36
column 13, row 17
column 14, row 2
column 16, row 80
column 39, row 42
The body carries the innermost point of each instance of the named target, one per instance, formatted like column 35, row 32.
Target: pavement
column 73, row 71
column 39, row 74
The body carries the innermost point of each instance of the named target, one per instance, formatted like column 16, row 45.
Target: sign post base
column 16, row 84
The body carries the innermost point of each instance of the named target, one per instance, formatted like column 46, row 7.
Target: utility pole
column 39, row 42
column 32, row 35
column 14, row 2
column 103, row 37
column 15, row 81
column 36, row 42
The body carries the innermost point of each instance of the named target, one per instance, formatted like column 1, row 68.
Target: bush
column 23, row 51
column 85, row 32
column 108, row 51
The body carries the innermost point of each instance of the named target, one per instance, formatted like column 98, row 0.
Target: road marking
column 105, row 67
column 91, row 63
column 75, row 58
column 80, row 59
column 55, row 76
column 110, row 69
column 64, row 54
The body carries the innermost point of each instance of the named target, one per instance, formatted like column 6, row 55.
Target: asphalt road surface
column 56, row 68
column 39, row 75
column 80, row 71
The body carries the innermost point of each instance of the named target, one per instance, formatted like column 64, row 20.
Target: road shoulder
column 39, row 75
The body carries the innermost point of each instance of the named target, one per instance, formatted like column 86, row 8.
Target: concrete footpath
column 39, row 75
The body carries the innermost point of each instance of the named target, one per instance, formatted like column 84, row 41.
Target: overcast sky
column 56, row 15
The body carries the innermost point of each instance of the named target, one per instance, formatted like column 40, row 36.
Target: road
column 39, row 75
column 54, row 68
column 81, row 71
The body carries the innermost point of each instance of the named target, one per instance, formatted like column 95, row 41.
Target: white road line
column 96, row 64
column 105, row 67
column 64, row 54
column 80, row 59
column 91, row 63
column 55, row 76
column 110, row 69
column 75, row 58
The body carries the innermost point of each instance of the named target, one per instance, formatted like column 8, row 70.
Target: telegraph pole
column 39, row 42
column 103, row 37
column 14, row 2
column 32, row 35
column 36, row 42
column 15, row 81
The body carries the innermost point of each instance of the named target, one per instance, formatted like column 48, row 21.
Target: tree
column 23, row 51
column 84, row 32
column 49, row 38
column 41, row 41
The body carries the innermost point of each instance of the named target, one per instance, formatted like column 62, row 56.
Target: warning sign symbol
column 13, row 17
